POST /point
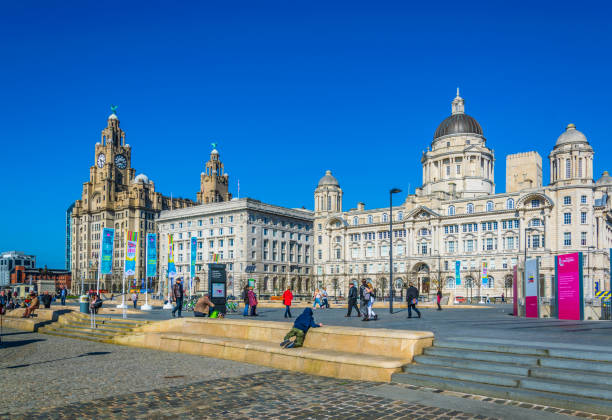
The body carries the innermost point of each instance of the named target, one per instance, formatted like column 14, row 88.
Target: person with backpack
column 370, row 296
column 363, row 304
column 300, row 327
column 287, row 298
column 252, row 301
column 245, row 299
column 412, row 299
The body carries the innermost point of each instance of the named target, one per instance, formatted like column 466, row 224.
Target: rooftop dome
column 141, row 179
column 605, row 179
column 459, row 122
column 328, row 179
column 214, row 152
column 571, row 135
column 113, row 116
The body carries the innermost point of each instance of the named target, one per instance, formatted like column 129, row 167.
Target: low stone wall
column 13, row 318
column 342, row 352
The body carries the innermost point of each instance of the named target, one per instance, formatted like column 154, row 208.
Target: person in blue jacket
column 300, row 327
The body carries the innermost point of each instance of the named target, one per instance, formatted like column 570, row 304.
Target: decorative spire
column 114, row 109
column 458, row 104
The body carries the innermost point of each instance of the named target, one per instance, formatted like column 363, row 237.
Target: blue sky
column 287, row 89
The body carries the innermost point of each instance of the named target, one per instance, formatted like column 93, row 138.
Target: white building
column 276, row 242
column 11, row 259
column 457, row 216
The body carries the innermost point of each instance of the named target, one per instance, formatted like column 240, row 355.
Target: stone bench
column 341, row 352
column 13, row 318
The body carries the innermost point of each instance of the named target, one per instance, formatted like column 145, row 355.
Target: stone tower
column 328, row 195
column 571, row 160
column 214, row 182
column 523, row 171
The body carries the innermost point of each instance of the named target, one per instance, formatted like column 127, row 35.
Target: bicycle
column 189, row 304
column 231, row 306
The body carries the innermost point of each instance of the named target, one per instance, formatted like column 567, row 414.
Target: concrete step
column 588, row 378
column 482, row 355
column 477, row 365
column 572, row 402
column 582, row 355
column 99, row 327
column 570, row 364
column 88, row 331
column 464, row 375
column 559, row 387
column 79, row 336
column 103, row 318
column 112, row 325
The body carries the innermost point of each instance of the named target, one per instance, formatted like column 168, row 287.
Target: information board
column 531, row 288
column 570, row 298
column 217, row 286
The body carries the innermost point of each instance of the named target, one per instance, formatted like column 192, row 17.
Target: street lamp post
column 391, row 192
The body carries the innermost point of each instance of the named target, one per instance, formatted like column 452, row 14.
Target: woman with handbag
column 412, row 298
column 370, row 295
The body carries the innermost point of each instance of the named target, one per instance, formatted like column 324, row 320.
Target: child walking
column 300, row 327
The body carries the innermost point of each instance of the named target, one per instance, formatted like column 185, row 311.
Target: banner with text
column 458, row 273
column 130, row 253
column 515, row 291
column 570, row 296
column 485, row 277
column 106, row 251
column 531, row 288
column 171, row 267
column 151, row 254
column 194, row 250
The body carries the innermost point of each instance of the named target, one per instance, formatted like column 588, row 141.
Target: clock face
column 120, row 161
column 101, row 160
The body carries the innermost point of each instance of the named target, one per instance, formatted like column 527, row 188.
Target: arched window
column 400, row 215
column 451, row 210
column 510, row 204
column 568, row 168
column 450, row 282
column 355, row 221
column 490, row 282
column 328, row 203
column 470, row 208
column 385, row 218
column 490, row 206
column 370, row 219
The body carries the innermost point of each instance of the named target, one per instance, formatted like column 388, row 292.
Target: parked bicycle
column 231, row 306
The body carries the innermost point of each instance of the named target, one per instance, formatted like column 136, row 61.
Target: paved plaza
column 56, row 377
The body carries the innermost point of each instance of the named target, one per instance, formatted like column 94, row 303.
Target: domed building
column 458, row 234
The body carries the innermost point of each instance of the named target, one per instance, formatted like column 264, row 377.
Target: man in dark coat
column 412, row 296
column 352, row 300
column 46, row 300
column 177, row 296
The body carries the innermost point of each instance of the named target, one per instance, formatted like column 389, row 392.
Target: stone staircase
column 574, row 377
column 78, row 325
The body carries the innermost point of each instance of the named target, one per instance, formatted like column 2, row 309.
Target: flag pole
column 146, row 306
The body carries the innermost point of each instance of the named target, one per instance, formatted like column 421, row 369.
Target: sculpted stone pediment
column 422, row 212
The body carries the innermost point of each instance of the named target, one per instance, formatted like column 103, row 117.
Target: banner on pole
column 515, row 291
column 130, row 253
column 151, row 254
column 531, row 288
column 458, row 273
column 171, row 267
column 570, row 296
column 194, row 246
column 485, row 277
column 106, row 251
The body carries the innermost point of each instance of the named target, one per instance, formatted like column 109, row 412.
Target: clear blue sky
column 288, row 89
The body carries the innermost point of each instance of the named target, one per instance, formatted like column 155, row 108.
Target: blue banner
column 151, row 254
column 194, row 246
column 458, row 273
column 106, row 251
column 171, row 267
column 130, row 253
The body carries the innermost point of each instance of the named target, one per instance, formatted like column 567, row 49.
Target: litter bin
column 84, row 304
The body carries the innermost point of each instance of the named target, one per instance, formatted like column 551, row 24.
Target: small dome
column 214, row 152
column 328, row 179
column 458, row 124
column 141, row 179
column 605, row 179
column 113, row 117
column 571, row 135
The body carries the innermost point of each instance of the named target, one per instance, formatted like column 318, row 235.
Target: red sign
column 569, row 286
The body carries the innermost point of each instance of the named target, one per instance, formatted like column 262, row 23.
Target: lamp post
column 592, row 283
column 391, row 192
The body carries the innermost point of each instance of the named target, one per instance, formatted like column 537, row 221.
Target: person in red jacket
column 287, row 298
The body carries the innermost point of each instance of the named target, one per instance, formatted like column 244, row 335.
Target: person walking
column 412, row 298
column 363, row 304
column 317, row 299
column 352, row 300
column 203, row 306
column 135, row 299
column 63, row 294
column 252, row 301
column 439, row 299
column 46, row 299
column 287, row 298
column 245, row 299
column 325, row 298
column 503, row 298
column 177, row 295
column 300, row 327
column 370, row 295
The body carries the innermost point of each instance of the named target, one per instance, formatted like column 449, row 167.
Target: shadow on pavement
column 19, row 343
column 91, row 353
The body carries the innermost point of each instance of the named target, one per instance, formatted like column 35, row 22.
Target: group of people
column 9, row 300
column 320, row 298
column 367, row 296
column 250, row 301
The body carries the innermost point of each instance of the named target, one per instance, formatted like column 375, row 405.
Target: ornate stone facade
column 113, row 197
column 214, row 183
column 456, row 216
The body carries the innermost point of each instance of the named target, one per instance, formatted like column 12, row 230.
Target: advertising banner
column 485, row 277
column 171, row 267
column 570, row 296
column 151, row 254
column 130, row 253
column 514, row 291
column 194, row 246
column 458, row 273
column 106, row 251
column 531, row 288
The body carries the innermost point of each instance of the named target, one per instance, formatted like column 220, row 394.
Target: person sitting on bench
column 34, row 304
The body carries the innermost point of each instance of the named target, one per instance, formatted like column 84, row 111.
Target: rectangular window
column 231, row 219
column 320, row 240
column 583, row 238
column 470, row 245
column 567, row 200
column 489, row 244
column 424, row 248
column 567, row 239
column 583, row 199
column 448, row 171
column 568, row 169
column 211, row 221
column 510, row 241
column 337, row 254
column 583, row 217
column 458, row 169
column 567, row 218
